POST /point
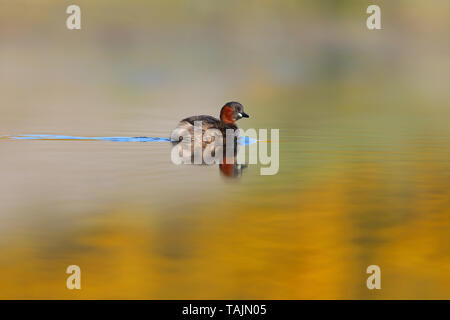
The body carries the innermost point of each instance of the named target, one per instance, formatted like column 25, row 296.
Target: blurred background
column 364, row 154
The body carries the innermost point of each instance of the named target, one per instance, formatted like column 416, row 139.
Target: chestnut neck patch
column 226, row 115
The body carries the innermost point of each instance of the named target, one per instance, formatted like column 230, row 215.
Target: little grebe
column 229, row 114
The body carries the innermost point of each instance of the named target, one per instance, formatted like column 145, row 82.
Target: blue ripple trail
column 245, row 141
column 242, row 141
column 60, row 137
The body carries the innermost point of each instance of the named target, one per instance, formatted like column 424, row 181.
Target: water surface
column 364, row 172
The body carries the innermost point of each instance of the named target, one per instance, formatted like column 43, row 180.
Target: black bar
column 228, row 309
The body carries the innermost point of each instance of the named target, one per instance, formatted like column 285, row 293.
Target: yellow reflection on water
column 317, row 245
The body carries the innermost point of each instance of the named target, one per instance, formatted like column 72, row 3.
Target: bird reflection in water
column 230, row 168
column 228, row 165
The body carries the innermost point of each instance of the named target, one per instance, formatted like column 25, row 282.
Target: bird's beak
column 244, row 115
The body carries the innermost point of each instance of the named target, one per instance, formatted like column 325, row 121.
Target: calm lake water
column 142, row 227
column 364, row 173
